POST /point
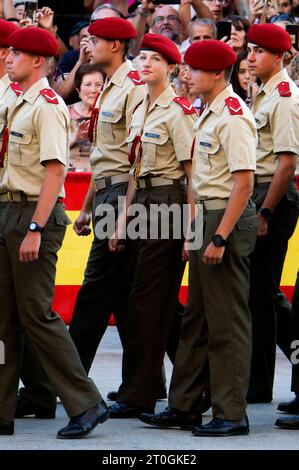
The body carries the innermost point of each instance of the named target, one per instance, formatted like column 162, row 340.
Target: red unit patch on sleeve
column 135, row 77
column 234, row 106
column 49, row 95
column 187, row 107
column 15, row 86
column 284, row 89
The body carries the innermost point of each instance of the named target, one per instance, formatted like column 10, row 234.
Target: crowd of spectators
column 187, row 21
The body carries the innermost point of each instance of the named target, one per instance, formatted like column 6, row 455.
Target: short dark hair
column 83, row 70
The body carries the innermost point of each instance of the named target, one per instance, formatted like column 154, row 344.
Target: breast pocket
column 19, row 153
column 207, row 155
column 109, row 123
column 152, row 143
column 264, row 133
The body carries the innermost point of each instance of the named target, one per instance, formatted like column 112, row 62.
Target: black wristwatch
column 34, row 227
column 266, row 213
column 218, row 240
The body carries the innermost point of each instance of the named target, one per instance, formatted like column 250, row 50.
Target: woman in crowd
column 240, row 77
column 239, row 29
column 89, row 82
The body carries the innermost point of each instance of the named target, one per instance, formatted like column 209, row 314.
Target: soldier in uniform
column 160, row 141
column 8, row 90
column 215, row 343
column 107, row 277
column 40, row 392
column 105, row 274
column 32, row 228
column 276, row 111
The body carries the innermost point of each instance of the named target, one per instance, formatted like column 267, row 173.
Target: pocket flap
column 208, row 146
column 19, row 138
column 110, row 116
column 154, row 137
column 61, row 218
column 247, row 223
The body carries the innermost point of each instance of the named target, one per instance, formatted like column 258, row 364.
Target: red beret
column 34, row 41
column 269, row 36
column 6, row 28
column 210, row 55
column 163, row 45
column 112, row 28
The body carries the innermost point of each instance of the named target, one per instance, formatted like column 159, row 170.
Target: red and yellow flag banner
column 72, row 257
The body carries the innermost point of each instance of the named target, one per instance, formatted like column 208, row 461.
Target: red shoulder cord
column 4, row 147
column 93, row 122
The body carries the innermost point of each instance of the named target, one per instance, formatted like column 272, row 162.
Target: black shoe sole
column 183, row 427
column 288, row 412
column 101, row 420
column 245, row 432
column 279, row 426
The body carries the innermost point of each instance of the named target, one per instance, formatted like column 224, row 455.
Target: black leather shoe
column 6, row 428
column 223, row 427
column 290, row 407
column 25, row 409
column 253, row 397
column 288, row 423
column 121, row 410
column 171, row 418
column 80, row 426
column 162, row 394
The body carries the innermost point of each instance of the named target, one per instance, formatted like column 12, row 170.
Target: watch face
column 32, row 226
column 218, row 241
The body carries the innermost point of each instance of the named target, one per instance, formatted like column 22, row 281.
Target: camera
column 30, row 11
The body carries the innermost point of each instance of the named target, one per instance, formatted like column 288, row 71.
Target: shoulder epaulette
column 49, row 95
column 284, row 89
column 234, row 106
column 187, row 107
column 135, row 77
column 15, row 86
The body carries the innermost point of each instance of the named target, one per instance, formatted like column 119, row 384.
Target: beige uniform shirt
column 4, row 85
column 224, row 143
column 166, row 136
column 8, row 99
column 277, row 119
column 38, row 131
column 116, row 104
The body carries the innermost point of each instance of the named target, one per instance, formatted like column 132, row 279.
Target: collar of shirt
column 165, row 99
column 34, row 91
column 217, row 106
column 271, row 84
column 120, row 74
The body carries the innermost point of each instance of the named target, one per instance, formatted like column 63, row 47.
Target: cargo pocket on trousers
column 246, row 233
column 248, row 224
column 61, row 219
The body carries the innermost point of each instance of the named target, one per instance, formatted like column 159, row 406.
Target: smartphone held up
column 31, row 11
